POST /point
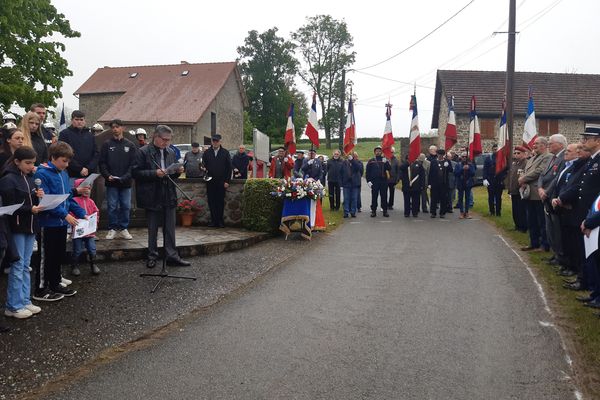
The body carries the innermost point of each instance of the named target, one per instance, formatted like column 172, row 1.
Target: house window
column 547, row 127
column 213, row 123
column 487, row 126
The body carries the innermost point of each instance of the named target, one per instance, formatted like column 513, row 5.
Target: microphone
column 38, row 184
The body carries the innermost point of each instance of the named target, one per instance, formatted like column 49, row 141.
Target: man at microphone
column 156, row 193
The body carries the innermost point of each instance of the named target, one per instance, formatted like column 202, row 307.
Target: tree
column 31, row 66
column 325, row 45
column 268, row 67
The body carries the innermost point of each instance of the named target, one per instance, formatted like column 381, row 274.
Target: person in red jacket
column 281, row 165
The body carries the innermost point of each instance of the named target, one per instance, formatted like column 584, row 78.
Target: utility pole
column 510, row 72
column 342, row 113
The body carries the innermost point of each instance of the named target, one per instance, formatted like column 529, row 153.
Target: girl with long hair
column 30, row 126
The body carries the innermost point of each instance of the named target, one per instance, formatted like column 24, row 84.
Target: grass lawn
column 581, row 326
column 333, row 219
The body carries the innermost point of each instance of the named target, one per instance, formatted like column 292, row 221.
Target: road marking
column 355, row 222
column 568, row 359
column 385, row 222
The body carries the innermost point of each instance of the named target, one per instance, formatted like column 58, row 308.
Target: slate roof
column 161, row 92
column 556, row 95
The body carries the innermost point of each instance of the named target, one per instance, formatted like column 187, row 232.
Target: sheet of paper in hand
column 89, row 181
column 172, row 169
column 86, row 226
column 9, row 210
column 51, row 201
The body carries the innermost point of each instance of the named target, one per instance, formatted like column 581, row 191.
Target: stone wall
column 94, row 105
column 196, row 189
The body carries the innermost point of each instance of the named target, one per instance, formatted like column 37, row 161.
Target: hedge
column 262, row 212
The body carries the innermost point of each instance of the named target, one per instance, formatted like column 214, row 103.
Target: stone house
column 564, row 103
column 195, row 100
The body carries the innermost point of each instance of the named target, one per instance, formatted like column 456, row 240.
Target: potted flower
column 187, row 210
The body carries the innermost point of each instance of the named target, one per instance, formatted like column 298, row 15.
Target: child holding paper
column 54, row 222
column 84, row 201
column 16, row 187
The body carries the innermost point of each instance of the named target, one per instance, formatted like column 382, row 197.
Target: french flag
column 311, row 127
column 414, row 148
column 350, row 134
column 503, row 145
column 450, row 132
column 63, row 120
column 388, row 138
column 290, row 132
column 474, row 132
column 530, row 131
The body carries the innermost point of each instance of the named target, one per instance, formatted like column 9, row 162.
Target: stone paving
column 192, row 241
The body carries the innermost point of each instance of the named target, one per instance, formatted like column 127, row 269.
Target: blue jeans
column 350, row 199
column 19, row 278
column 119, row 204
column 465, row 199
column 78, row 244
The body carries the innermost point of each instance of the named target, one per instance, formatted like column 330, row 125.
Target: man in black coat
column 564, row 204
column 334, row 180
column 240, row 162
column 494, row 183
column 157, row 194
column 377, row 175
column 81, row 139
column 412, row 176
column 217, row 162
column 439, row 178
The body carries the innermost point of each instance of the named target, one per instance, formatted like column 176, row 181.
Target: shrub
column 262, row 211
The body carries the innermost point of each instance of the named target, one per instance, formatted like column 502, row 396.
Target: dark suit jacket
column 218, row 167
column 566, row 190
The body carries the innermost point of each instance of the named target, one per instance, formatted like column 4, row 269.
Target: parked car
column 184, row 148
column 479, row 160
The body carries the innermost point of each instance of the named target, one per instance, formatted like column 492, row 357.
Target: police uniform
column 413, row 180
column 589, row 187
column 439, row 177
column 378, row 170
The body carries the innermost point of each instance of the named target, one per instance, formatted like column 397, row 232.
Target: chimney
column 184, row 62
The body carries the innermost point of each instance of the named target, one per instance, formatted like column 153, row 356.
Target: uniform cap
column 592, row 130
column 97, row 127
column 140, row 131
column 9, row 116
column 216, row 136
column 49, row 125
column 521, row 149
column 9, row 125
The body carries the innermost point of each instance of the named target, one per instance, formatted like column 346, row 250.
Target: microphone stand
column 163, row 272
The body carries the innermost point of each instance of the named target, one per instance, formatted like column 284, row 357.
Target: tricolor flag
column 290, row 133
column 313, row 123
column 503, row 150
column 450, row 132
column 414, row 147
column 350, row 134
column 63, row 121
column 530, row 131
column 474, row 132
column 388, row 139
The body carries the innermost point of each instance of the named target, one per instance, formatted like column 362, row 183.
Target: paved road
column 380, row 309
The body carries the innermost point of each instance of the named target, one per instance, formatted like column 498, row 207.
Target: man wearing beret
column 217, row 162
column 377, row 175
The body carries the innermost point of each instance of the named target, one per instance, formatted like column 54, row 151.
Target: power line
column 418, row 41
column 390, row 79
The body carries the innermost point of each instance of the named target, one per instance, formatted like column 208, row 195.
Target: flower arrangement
column 298, row 188
column 188, row 206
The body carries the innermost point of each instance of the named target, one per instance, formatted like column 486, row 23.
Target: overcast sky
column 555, row 36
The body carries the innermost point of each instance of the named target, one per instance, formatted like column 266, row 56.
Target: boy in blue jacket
column 54, row 222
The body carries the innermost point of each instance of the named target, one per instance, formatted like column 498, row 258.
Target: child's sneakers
column 66, row 292
column 20, row 314
column 125, row 234
column 111, row 234
column 47, row 295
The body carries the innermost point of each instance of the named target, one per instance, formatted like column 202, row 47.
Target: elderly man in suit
column 536, row 222
column 556, row 145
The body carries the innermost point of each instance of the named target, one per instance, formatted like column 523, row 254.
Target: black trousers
column 495, row 199
column 438, row 196
column 215, row 192
column 391, row 194
column 519, row 212
column 573, row 249
column 379, row 190
column 412, row 200
column 53, row 246
column 156, row 218
column 335, row 194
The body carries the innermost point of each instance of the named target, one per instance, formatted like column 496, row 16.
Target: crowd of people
column 552, row 189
